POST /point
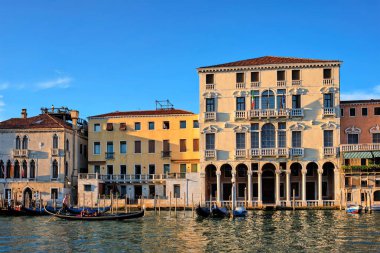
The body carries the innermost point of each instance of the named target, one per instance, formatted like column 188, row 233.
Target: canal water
column 261, row 231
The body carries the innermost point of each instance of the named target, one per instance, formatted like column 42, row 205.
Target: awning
column 376, row 153
column 353, row 155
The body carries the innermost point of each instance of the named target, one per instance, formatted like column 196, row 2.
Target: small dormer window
column 109, row 127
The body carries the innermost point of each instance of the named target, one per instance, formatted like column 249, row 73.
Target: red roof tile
column 267, row 60
column 40, row 121
column 143, row 113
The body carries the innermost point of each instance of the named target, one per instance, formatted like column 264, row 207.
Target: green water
column 261, row 231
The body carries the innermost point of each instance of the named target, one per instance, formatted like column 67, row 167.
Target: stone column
column 320, row 201
column 304, row 171
column 337, row 190
column 259, row 190
column 288, row 193
column 277, row 187
column 218, row 197
column 249, row 188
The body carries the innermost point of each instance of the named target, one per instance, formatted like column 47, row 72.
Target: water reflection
column 311, row 231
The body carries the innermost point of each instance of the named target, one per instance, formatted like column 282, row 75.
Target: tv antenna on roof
column 164, row 105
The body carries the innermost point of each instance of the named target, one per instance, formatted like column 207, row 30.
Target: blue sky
column 103, row 56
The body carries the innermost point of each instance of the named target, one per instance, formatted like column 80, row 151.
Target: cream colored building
column 142, row 153
column 270, row 126
column 40, row 156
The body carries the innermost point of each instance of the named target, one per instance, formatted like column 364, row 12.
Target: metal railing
column 239, row 115
column 360, row 147
column 210, row 115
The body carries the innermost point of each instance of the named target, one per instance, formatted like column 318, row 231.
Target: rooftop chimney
column 74, row 116
column 24, row 115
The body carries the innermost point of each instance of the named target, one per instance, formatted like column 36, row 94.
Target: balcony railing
column 240, row 115
column 255, row 152
column 110, row 155
column 360, row 147
column 281, row 83
column 296, row 112
column 122, row 178
column 240, row 85
column 210, row 116
column 328, row 82
column 296, row 152
column 54, row 152
column 329, row 111
column 268, row 113
column 255, row 84
column 211, row 153
column 296, row 82
column 21, row 153
column 166, row 154
column 240, row 153
column 329, row 151
column 210, row 86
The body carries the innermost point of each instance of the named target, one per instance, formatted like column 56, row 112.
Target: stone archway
column 376, row 196
column 268, row 183
column 226, row 176
column 312, row 181
column 241, row 181
column 328, row 184
column 27, row 197
column 211, row 188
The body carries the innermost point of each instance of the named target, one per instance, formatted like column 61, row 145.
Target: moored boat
column 240, row 212
column 34, row 211
column 354, row 209
column 99, row 217
column 78, row 210
column 219, row 212
column 375, row 208
column 203, row 211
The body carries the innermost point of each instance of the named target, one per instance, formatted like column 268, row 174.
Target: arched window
column 267, row 100
column 55, row 169
column 2, row 169
column 25, row 142
column 8, row 169
column 66, row 169
column 268, row 135
column 67, row 145
column 18, row 142
column 16, row 173
column 376, row 196
column 32, row 169
column 24, row 172
column 55, row 141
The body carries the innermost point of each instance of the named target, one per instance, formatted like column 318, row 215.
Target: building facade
column 40, row 156
column 270, row 127
column 143, row 154
column 360, row 151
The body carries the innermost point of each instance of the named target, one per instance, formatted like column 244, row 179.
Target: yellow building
column 136, row 153
column 270, row 126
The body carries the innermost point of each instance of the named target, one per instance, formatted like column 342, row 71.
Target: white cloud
column 60, row 82
column 374, row 93
column 4, row 86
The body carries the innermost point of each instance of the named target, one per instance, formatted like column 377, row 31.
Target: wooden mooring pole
column 192, row 204
column 170, row 203
column 293, row 202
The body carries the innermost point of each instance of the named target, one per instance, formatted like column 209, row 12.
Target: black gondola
column 203, row 211
column 34, row 211
column 10, row 211
column 99, row 217
column 219, row 212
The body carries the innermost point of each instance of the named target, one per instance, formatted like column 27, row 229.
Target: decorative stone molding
column 329, row 126
column 375, row 129
column 298, row 91
column 241, row 94
column 297, row 127
column 325, row 90
column 353, row 130
column 211, row 94
column 210, row 129
column 241, row 129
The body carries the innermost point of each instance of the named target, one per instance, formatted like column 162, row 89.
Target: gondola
column 78, row 210
column 10, row 211
column 99, row 217
column 203, row 211
column 219, row 212
column 240, row 212
column 34, row 211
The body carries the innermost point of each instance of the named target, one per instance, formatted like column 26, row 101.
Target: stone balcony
column 210, row 116
column 21, row 153
column 329, row 112
column 296, row 152
column 210, row 86
column 269, row 152
column 210, row 154
column 297, row 82
column 240, row 153
column 240, row 85
column 296, row 112
column 330, row 151
column 255, row 84
column 268, row 113
column 328, row 82
column 281, row 83
column 55, row 152
column 360, row 147
column 240, row 115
